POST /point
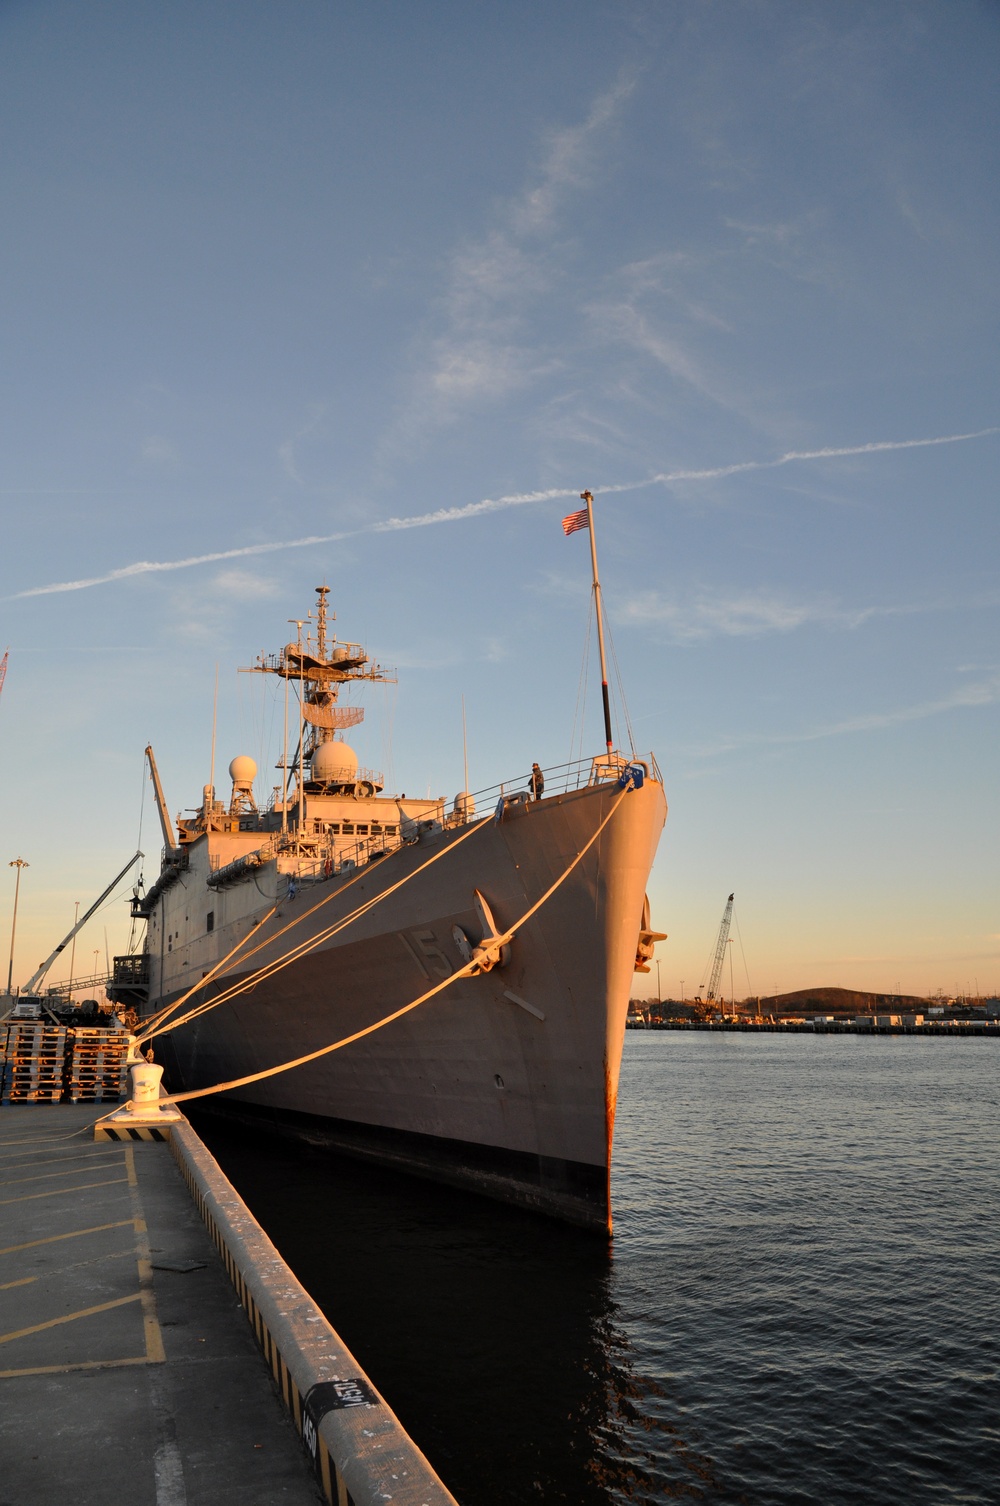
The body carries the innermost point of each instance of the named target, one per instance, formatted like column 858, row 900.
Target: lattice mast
column 720, row 949
column 321, row 668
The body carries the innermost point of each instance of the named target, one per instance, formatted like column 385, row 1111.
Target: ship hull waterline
column 504, row 1083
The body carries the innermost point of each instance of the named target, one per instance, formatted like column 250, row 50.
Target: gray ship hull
column 506, row 1082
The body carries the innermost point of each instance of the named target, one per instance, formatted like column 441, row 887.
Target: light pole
column 659, row 991
column 682, row 990
column 72, row 950
column 17, row 863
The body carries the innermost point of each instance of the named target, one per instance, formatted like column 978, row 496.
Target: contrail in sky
column 494, row 504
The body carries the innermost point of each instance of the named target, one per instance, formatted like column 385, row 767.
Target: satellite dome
column 243, row 770
column 334, row 763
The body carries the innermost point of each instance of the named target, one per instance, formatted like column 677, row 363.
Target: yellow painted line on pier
column 152, row 1334
column 48, row 1176
column 73, row 1234
column 58, row 1192
column 33, row 1140
column 139, row 1359
column 155, row 1352
column 76, row 1265
column 85, row 1153
column 84, row 1312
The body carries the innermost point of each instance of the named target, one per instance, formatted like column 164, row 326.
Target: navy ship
column 517, row 915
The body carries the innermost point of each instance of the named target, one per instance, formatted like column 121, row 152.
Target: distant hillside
column 846, row 1002
column 841, row 1001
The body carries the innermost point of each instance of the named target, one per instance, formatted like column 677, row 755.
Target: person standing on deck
column 537, row 781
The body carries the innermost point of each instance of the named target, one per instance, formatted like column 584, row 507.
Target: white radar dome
column 334, row 763
column 243, row 770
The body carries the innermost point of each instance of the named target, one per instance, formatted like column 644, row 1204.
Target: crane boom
column 3, row 666
column 35, row 982
column 720, row 949
column 166, row 825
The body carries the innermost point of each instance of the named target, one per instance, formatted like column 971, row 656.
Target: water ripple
column 800, row 1305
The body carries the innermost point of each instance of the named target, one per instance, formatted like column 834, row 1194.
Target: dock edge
column 360, row 1450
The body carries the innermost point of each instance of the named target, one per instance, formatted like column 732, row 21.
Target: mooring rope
column 149, row 1026
column 294, row 953
column 463, row 972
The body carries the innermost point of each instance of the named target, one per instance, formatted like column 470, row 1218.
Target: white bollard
column 145, row 1116
column 145, row 1082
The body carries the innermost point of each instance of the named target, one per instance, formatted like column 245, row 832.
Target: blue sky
column 275, row 273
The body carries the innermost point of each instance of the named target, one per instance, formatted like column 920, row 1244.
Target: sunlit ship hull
column 505, row 1082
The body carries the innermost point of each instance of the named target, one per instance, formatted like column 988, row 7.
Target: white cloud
column 286, row 454
column 625, row 323
column 568, row 161
column 202, row 614
column 244, row 585
column 492, row 504
column 288, row 449
column 800, row 248
column 874, row 447
column 747, row 614
column 484, row 350
column 982, row 693
column 966, row 697
column 478, row 369
column 158, row 451
column 778, row 234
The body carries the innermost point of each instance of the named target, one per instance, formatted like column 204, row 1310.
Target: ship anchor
column 491, row 951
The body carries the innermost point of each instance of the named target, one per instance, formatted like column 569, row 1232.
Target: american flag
column 574, row 521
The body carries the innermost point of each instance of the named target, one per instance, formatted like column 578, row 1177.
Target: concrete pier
column 128, row 1368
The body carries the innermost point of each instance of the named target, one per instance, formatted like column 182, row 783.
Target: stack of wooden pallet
column 96, row 1065
column 34, row 1052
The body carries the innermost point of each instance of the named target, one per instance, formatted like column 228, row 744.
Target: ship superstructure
column 337, row 905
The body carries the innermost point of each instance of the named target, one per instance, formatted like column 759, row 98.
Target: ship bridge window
column 334, row 828
column 362, row 831
column 390, row 831
column 347, row 829
column 210, row 921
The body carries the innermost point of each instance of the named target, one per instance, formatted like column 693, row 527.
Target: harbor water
column 801, row 1302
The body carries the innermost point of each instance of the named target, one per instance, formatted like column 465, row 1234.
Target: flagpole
column 588, row 498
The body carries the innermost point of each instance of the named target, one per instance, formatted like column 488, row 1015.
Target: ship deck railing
column 316, row 860
column 560, row 779
column 334, row 860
